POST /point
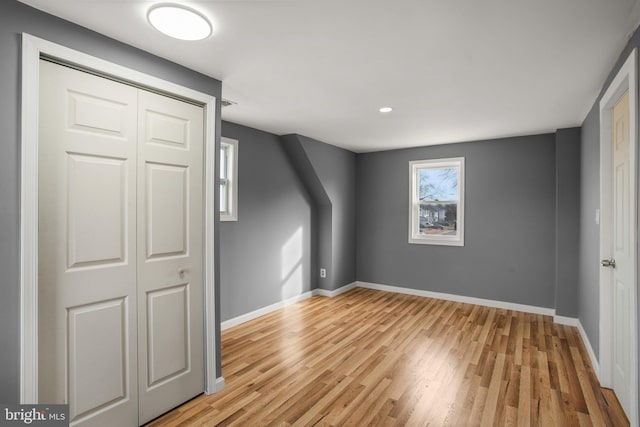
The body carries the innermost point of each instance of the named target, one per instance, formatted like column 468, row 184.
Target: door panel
column 170, row 280
column 87, row 283
column 623, row 272
column 167, row 130
column 93, row 114
column 168, row 317
column 97, row 232
column 106, row 320
column 620, row 183
column 167, row 210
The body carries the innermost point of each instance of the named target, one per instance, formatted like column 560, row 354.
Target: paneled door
column 87, row 252
column 622, row 240
column 120, row 250
column 170, row 289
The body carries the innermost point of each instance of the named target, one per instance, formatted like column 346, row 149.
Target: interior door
column 170, row 245
column 121, row 294
column 621, row 250
column 87, row 252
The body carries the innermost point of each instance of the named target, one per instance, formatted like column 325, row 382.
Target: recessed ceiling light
column 386, row 109
column 179, row 22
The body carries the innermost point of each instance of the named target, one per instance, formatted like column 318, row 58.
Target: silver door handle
column 608, row 263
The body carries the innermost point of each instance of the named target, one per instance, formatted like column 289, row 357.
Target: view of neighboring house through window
column 228, row 179
column 436, row 211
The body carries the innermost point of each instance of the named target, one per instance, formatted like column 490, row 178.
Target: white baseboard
column 590, row 352
column 335, row 292
column 459, row 298
column 569, row 321
column 281, row 304
column 264, row 310
column 218, row 385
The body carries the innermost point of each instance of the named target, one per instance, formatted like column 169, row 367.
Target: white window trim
column 232, row 183
column 414, row 217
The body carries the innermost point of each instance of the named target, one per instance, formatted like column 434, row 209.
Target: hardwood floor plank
column 369, row 357
column 524, row 401
column 589, row 395
column 491, row 403
column 370, row 406
column 617, row 418
column 544, row 383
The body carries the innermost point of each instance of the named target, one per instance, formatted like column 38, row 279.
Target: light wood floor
column 377, row 358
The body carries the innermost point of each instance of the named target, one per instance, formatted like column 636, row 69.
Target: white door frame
column 32, row 50
column 626, row 79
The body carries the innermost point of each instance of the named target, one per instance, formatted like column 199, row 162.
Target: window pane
column 439, row 218
column 438, row 184
column 223, row 162
column 228, row 179
column 223, row 197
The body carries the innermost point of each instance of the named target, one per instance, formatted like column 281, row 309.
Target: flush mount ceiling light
column 179, row 22
column 386, row 110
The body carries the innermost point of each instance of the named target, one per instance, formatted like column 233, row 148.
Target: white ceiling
column 453, row 70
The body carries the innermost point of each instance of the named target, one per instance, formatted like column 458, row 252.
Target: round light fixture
column 179, row 22
column 386, row 109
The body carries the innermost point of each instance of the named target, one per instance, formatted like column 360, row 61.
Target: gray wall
column 567, row 221
column 333, row 169
column 265, row 256
column 589, row 301
column 509, row 252
column 589, row 266
column 16, row 18
column 589, row 294
column 322, row 223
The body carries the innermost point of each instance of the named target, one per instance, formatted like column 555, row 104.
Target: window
column 228, row 179
column 436, row 211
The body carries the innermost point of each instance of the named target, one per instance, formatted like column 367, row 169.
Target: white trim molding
column 335, row 292
column 569, row 321
column 459, row 298
column 264, row 310
column 284, row 303
column 561, row 320
column 625, row 80
column 218, row 385
column 33, row 48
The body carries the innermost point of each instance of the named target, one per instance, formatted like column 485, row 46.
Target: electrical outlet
column 323, row 272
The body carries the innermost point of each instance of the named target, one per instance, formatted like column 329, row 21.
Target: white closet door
column 170, row 251
column 121, row 296
column 87, row 250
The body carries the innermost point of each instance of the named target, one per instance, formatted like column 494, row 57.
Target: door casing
column 33, row 48
column 626, row 79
